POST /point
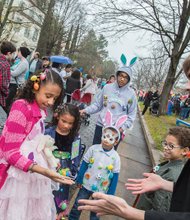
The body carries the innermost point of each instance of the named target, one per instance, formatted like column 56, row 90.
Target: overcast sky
column 131, row 45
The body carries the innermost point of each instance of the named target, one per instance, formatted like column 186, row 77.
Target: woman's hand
column 152, row 182
column 104, row 204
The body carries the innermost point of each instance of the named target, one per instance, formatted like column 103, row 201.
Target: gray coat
column 160, row 199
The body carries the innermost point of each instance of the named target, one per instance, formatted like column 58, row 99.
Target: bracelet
column 30, row 168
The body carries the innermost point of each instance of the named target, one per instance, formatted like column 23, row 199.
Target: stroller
column 82, row 102
column 154, row 107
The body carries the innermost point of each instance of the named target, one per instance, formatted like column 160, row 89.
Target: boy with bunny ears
column 100, row 168
column 118, row 97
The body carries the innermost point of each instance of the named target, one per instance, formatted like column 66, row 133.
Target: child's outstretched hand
column 59, row 178
column 51, row 174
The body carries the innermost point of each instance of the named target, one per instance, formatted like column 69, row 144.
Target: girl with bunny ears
column 118, row 97
column 100, row 168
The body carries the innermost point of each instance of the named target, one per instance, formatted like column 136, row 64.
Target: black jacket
column 148, row 98
column 180, row 203
column 72, row 84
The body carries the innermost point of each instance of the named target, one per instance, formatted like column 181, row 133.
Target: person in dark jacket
column 147, row 100
column 155, row 95
column 73, row 83
column 46, row 62
column 35, row 64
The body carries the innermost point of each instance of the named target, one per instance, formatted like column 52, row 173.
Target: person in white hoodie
column 119, row 98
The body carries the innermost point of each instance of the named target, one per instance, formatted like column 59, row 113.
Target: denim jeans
column 75, row 213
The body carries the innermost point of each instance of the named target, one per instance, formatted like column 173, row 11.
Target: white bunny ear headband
column 109, row 124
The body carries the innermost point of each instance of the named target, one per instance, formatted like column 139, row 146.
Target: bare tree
column 151, row 71
column 61, row 16
column 5, row 9
column 7, row 16
column 167, row 21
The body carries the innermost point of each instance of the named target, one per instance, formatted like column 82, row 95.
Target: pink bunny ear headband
column 109, row 124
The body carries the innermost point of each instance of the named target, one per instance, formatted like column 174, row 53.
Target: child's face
column 112, row 79
column 122, row 79
column 177, row 152
column 47, row 94
column 65, row 123
column 45, row 63
column 109, row 139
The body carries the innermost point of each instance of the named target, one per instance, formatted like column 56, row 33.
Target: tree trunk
column 6, row 15
column 46, row 31
column 74, row 40
column 168, row 85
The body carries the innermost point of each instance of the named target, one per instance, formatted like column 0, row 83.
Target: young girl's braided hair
column 71, row 109
column 27, row 91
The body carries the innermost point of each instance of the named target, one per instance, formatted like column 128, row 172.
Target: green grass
column 158, row 126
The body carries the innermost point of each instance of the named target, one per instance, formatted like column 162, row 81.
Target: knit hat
column 24, row 51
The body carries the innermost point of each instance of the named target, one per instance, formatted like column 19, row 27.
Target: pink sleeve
column 17, row 127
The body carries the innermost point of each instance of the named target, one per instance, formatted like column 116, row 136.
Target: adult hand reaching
column 151, row 182
column 110, row 205
column 104, row 205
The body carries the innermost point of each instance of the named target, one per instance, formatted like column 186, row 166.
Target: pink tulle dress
column 28, row 196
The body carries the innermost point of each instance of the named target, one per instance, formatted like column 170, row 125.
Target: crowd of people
column 40, row 163
column 178, row 104
column 29, row 147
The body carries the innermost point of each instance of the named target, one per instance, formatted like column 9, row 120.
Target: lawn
column 158, row 126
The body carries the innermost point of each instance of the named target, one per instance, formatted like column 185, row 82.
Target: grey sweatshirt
column 19, row 72
column 119, row 100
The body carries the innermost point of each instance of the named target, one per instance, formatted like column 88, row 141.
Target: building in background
column 24, row 23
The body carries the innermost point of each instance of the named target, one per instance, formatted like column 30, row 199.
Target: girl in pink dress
column 23, row 194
